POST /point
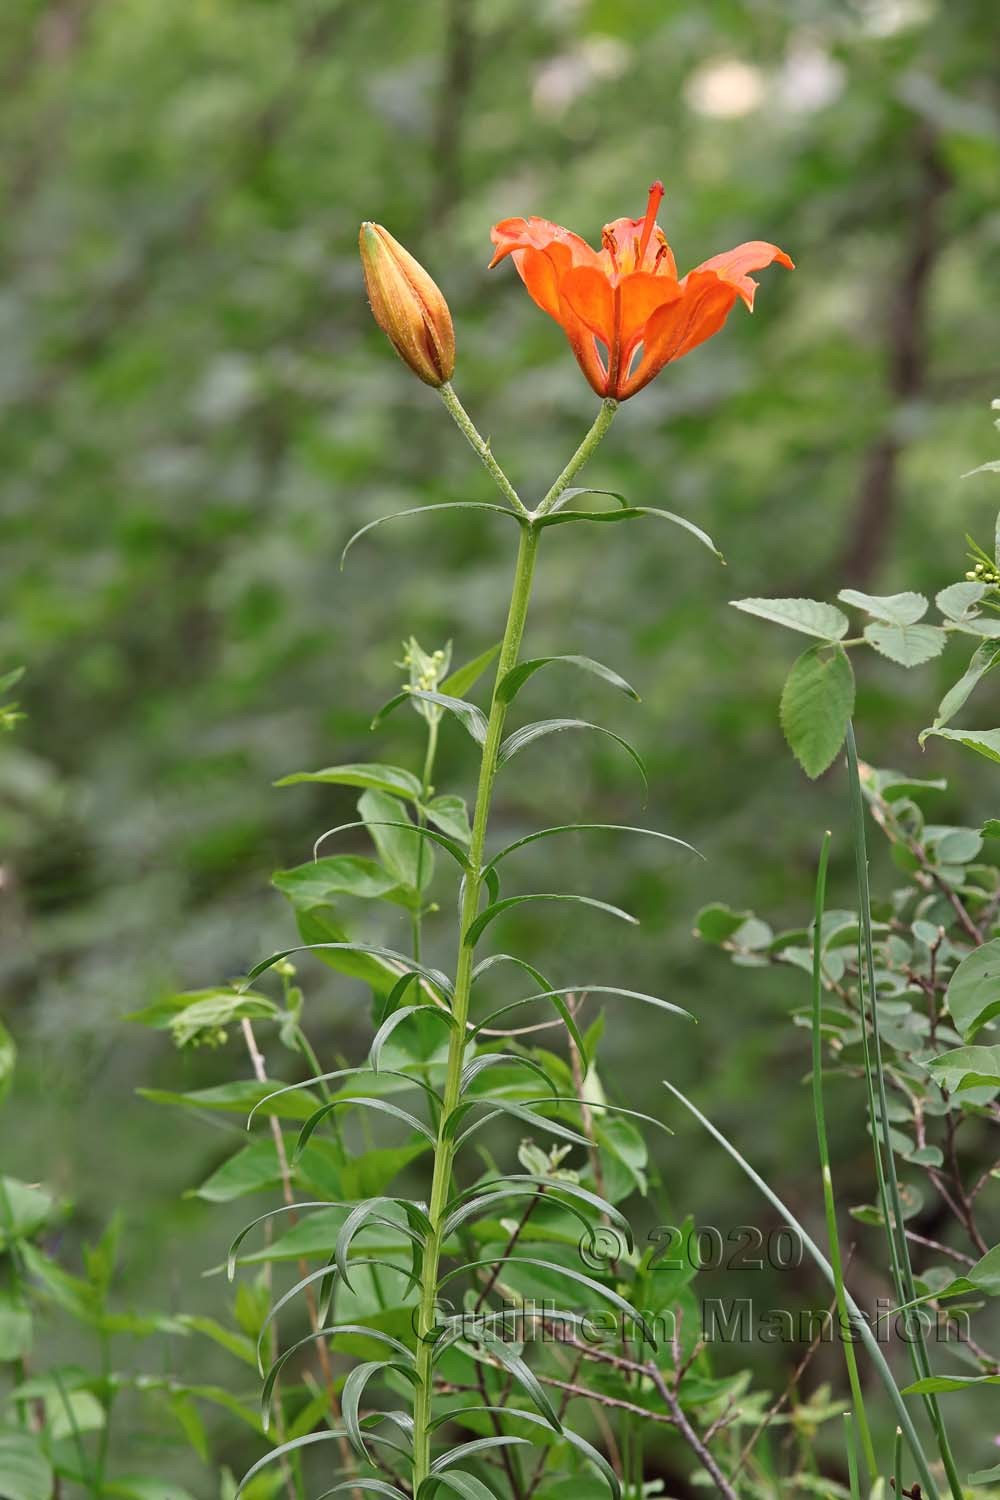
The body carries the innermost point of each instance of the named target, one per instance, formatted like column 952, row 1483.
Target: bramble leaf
column 806, row 615
column 909, row 645
column 816, row 705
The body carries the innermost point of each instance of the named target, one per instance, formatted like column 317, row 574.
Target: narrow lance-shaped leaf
column 585, row 989
column 519, row 1183
column 546, row 833
column 423, row 510
column 500, row 1352
column 531, row 732
column 574, row 1439
column 631, row 513
column 458, row 683
column 392, row 779
column 330, row 1332
column 512, row 681
column 433, row 976
column 607, row 1293
column 382, row 1106
column 354, row 1389
column 472, row 719
column 397, row 1018
column 442, row 840
column 476, row 928
column 485, row 1060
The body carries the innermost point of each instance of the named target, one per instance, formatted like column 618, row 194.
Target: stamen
column 611, row 246
column 655, row 199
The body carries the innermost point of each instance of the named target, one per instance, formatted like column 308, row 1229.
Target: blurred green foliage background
column 198, row 411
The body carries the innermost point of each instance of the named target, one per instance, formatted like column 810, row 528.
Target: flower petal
column 678, row 327
column 733, row 265
column 584, row 347
column 627, row 237
column 538, row 234
column 539, row 274
column 587, row 294
column 639, row 297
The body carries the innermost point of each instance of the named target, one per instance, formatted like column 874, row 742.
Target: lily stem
column 445, row 1147
column 602, row 422
column 444, row 1154
column 480, row 446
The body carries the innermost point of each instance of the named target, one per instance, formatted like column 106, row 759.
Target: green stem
column 892, row 1207
column 444, row 1153
column 852, row 1457
column 858, row 1319
column 480, row 446
column 445, row 1149
column 829, row 1204
column 425, row 790
column 601, row 424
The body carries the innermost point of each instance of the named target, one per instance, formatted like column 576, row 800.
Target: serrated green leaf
column 957, row 602
column 25, row 1472
column 890, row 609
column 816, row 706
column 983, row 741
column 973, row 994
column 984, row 659
column 809, row 616
column 967, row 1068
column 392, row 779
column 909, row 645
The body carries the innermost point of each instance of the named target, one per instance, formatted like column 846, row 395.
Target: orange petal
column 584, row 347
column 539, row 275
column 733, row 265
column 680, row 326
column 639, row 297
column 538, row 234
column 588, row 295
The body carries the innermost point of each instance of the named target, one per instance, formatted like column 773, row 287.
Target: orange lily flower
column 624, row 310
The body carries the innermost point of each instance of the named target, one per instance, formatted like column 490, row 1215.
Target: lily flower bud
column 408, row 306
